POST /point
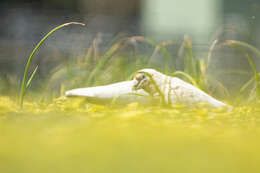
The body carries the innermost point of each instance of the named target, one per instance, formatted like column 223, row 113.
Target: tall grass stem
column 237, row 44
column 25, row 76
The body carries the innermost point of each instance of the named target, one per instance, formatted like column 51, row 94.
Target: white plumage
column 122, row 91
column 148, row 82
column 173, row 89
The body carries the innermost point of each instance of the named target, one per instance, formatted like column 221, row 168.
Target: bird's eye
column 140, row 77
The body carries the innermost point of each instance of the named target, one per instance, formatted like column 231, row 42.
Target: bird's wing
column 122, row 91
column 176, row 90
column 186, row 93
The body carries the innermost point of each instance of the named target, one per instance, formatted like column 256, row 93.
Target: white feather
column 122, row 91
column 176, row 90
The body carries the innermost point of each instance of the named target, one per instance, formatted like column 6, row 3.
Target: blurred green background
column 121, row 37
column 24, row 23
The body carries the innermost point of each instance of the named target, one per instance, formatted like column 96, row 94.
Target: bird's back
column 180, row 91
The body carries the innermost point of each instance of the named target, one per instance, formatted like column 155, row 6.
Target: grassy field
column 43, row 132
column 75, row 136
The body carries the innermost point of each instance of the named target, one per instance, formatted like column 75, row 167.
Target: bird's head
column 147, row 79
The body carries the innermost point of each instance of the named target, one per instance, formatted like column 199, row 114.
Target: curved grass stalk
column 167, row 55
column 140, row 95
column 163, row 48
column 104, row 60
column 25, row 76
column 220, row 85
column 243, row 44
column 237, row 44
column 233, row 72
column 187, row 76
column 252, row 95
column 246, row 85
column 190, row 61
column 144, row 39
column 213, row 45
column 112, row 51
column 31, row 78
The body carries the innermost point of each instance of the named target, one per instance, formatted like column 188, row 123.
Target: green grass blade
column 141, row 95
column 237, row 44
column 157, row 89
column 246, row 85
column 23, row 85
column 167, row 56
column 190, row 59
column 104, row 60
column 232, row 72
column 187, row 76
column 146, row 40
column 244, row 44
column 211, row 49
column 162, row 47
column 31, row 78
column 89, row 55
column 218, row 85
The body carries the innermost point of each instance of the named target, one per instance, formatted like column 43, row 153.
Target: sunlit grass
column 74, row 136
column 116, row 63
column 71, row 135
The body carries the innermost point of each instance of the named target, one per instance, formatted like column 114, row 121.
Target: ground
column 74, row 136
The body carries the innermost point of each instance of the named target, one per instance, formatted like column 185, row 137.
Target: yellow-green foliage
column 69, row 135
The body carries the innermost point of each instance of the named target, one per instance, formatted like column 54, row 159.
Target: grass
column 89, row 69
column 116, row 64
column 71, row 135
column 25, row 84
column 238, row 45
column 74, row 136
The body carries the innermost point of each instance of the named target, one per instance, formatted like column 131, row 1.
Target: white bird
column 122, row 92
column 172, row 89
column 148, row 82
